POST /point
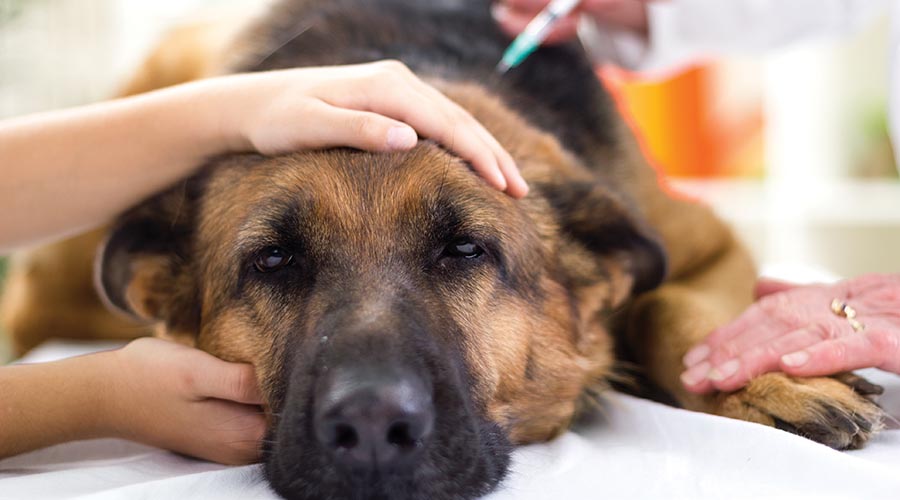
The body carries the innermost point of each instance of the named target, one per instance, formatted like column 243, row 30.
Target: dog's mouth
column 378, row 423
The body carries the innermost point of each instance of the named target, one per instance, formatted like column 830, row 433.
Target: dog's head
column 408, row 323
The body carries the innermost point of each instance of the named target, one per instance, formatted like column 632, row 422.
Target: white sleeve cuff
column 620, row 46
column 684, row 31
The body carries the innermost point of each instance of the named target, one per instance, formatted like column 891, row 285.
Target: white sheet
column 634, row 449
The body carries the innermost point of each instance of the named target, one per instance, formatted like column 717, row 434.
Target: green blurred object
column 11, row 9
column 2, row 269
column 874, row 151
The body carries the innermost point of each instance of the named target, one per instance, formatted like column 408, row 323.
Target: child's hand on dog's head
column 185, row 400
column 114, row 154
column 379, row 106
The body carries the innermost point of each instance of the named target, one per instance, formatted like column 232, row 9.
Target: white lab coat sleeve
column 894, row 85
column 684, row 31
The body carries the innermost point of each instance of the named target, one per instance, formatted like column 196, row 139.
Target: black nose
column 373, row 419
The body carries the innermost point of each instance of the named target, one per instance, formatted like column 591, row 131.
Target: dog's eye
column 272, row 259
column 463, row 248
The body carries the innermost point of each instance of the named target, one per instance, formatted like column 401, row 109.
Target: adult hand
column 185, row 400
column 514, row 15
column 793, row 329
column 377, row 107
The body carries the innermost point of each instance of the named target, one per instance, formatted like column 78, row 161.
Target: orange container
column 685, row 127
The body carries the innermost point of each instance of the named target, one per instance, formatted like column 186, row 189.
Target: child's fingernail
column 724, row 371
column 519, row 180
column 696, row 355
column 401, row 138
column 798, row 358
column 695, row 375
column 495, row 177
column 524, row 189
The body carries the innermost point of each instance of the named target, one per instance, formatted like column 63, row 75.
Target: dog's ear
column 144, row 267
column 610, row 231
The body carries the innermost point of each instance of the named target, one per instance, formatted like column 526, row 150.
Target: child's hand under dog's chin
column 185, row 400
column 151, row 391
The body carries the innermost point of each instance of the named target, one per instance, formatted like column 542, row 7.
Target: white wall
column 822, row 98
column 61, row 53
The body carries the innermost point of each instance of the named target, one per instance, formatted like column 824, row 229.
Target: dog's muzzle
column 373, row 418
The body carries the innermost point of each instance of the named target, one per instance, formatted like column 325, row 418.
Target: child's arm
column 151, row 391
column 66, row 171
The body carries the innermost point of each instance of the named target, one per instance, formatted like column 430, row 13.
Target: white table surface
column 634, row 449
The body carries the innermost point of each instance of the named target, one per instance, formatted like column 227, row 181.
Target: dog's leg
column 708, row 290
column 664, row 324
column 49, row 293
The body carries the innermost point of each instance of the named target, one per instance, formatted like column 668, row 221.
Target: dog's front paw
column 835, row 411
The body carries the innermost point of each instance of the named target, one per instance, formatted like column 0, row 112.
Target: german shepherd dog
column 409, row 324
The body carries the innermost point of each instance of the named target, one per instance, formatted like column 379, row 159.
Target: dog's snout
column 374, row 420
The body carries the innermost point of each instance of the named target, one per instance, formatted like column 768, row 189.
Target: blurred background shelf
column 59, row 53
column 847, row 226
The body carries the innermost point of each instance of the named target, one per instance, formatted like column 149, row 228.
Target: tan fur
column 49, row 293
column 530, row 383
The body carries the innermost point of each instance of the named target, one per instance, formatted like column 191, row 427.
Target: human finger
column 825, row 326
column 762, row 358
column 533, row 6
column 404, row 97
column 735, row 346
column 876, row 348
column 538, row 5
column 767, row 286
column 336, row 126
column 695, row 379
column 516, row 185
column 748, row 319
column 227, row 381
column 227, row 433
column 513, row 22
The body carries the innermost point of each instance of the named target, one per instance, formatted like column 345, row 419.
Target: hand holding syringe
column 544, row 21
column 535, row 33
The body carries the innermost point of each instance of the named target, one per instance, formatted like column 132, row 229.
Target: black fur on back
column 457, row 40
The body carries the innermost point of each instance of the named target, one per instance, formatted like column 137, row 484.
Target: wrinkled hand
column 185, row 400
column 793, row 329
column 379, row 106
column 514, row 15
